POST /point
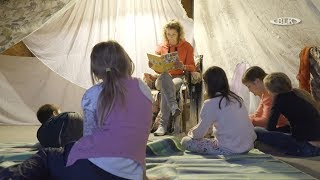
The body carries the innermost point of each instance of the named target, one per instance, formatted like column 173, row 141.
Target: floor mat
column 166, row 160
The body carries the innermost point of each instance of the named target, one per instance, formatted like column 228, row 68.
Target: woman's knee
column 164, row 76
column 163, row 80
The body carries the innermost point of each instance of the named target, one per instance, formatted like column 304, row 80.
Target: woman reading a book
column 169, row 82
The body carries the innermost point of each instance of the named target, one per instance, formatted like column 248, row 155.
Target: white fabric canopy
column 19, row 18
column 228, row 32
column 65, row 43
column 232, row 31
column 26, row 84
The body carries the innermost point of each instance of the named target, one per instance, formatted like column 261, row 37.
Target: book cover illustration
column 163, row 63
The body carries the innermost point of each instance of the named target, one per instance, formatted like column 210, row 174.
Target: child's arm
column 89, row 116
column 89, row 122
column 205, row 123
column 261, row 116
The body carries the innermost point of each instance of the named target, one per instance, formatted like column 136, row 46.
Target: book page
column 163, row 63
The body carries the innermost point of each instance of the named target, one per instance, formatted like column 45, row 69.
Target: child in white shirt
column 226, row 114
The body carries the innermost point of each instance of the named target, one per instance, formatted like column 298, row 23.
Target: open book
column 162, row 63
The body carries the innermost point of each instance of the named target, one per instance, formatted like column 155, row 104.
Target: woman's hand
column 150, row 64
column 179, row 65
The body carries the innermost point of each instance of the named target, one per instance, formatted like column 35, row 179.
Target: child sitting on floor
column 253, row 79
column 116, row 128
column 225, row 113
column 301, row 110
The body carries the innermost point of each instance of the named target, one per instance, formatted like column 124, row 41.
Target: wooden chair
column 192, row 96
column 189, row 98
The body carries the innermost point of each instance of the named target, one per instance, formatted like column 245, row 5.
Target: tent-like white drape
column 65, row 43
column 19, row 18
column 228, row 32
column 26, row 84
column 64, row 32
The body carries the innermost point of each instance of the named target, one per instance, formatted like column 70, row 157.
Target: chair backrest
column 199, row 67
column 199, row 64
column 194, row 81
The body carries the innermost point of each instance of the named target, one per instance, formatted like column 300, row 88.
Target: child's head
column 277, row 83
column 253, row 79
column 216, row 81
column 45, row 112
column 111, row 64
column 109, row 61
column 253, row 73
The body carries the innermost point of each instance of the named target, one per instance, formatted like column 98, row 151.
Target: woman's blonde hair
column 176, row 25
column 280, row 83
column 111, row 64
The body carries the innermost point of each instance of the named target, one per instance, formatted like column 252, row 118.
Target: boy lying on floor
column 58, row 129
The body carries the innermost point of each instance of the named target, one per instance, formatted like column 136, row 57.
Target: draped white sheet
column 250, row 101
column 19, row 18
column 26, row 84
column 228, row 32
column 65, row 43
